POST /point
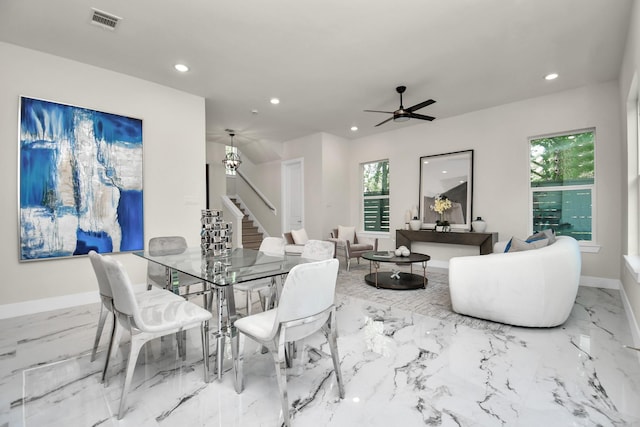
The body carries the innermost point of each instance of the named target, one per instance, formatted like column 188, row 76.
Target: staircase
column 251, row 237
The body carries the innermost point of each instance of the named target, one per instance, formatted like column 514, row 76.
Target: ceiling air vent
column 104, row 19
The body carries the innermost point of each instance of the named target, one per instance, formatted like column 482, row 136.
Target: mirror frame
column 428, row 188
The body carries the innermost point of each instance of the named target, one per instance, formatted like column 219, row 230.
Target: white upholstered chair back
column 318, row 250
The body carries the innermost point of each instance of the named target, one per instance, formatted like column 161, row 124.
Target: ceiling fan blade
column 420, row 105
column 420, row 116
column 381, row 123
column 378, row 111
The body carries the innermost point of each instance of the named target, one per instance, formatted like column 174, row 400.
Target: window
column 230, row 149
column 375, row 196
column 562, row 169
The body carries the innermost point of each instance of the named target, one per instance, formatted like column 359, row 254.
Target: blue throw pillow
column 543, row 234
column 540, row 235
column 523, row 245
column 506, row 248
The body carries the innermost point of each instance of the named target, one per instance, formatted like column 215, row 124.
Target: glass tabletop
column 241, row 265
column 390, row 256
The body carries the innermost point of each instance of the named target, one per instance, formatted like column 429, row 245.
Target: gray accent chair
column 353, row 249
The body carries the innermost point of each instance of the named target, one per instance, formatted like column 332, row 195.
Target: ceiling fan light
column 400, row 118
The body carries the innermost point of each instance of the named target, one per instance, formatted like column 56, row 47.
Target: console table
column 484, row 241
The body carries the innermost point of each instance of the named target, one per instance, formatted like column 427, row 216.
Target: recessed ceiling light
column 274, row 101
column 354, row 128
column 444, row 171
column 551, row 76
column 181, row 67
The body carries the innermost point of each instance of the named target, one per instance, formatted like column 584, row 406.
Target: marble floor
column 406, row 359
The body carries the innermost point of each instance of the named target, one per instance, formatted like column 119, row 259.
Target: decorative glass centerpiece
column 216, row 236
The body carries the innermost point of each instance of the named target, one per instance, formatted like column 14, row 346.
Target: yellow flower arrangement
column 440, row 205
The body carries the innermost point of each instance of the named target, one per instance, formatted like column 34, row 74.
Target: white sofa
column 535, row 288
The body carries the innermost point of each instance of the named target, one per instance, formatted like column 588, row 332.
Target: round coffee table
column 396, row 279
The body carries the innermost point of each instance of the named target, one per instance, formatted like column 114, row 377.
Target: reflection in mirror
column 447, row 176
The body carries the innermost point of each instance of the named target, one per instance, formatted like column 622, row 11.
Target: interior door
column 293, row 195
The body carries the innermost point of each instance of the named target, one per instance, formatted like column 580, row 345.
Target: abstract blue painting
column 80, row 181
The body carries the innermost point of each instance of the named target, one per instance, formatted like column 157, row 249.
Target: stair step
column 251, row 237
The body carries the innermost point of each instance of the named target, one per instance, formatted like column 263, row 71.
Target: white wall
column 217, row 174
column 310, row 148
column 499, row 138
column 326, row 191
column 335, row 179
column 174, row 162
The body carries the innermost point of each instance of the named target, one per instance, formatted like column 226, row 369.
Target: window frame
column 585, row 244
column 363, row 198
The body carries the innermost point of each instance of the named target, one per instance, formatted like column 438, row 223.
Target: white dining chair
column 305, row 307
column 318, row 250
column 147, row 323
column 265, row 288
column 314, row 250
column 144, row 298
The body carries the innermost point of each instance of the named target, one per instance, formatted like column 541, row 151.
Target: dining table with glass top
column 218, row 274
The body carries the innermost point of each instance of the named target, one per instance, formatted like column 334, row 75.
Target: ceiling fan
column 403, row 114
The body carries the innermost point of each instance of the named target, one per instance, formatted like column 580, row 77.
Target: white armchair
column 294, row 241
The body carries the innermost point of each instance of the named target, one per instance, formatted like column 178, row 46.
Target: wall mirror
column 449, row 175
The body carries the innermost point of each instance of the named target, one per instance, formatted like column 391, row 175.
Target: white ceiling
column 327, row 60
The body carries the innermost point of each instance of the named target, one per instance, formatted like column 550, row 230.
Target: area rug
column 434, row 301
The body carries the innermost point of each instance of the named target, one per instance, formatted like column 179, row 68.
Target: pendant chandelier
column 232, row 158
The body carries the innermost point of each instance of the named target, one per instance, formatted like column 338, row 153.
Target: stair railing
column 258, row 192
column 234, row 215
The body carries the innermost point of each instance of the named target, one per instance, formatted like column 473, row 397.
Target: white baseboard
column 600, row 282
column 631, row 318
column 436, row 263
column 54, row 303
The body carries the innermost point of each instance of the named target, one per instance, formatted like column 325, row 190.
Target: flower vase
column 478, row 225
column 442, row 225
